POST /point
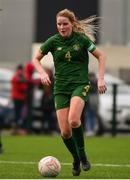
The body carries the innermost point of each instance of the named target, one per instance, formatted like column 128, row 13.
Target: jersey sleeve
column 89, row 44
column 46, row 46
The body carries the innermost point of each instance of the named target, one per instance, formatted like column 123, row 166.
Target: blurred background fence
column 113, row 114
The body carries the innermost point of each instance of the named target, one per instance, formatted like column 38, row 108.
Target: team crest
column 76, row 47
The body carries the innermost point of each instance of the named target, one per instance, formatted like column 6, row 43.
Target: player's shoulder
column 54, row 37
column 51, row 39
column 81, row 36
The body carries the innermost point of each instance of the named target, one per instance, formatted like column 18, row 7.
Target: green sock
column 78, row 136
column 71, row 146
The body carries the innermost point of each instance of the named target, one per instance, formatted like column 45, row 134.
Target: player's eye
column 65, row 24
column 59, row 24
column 62, row 24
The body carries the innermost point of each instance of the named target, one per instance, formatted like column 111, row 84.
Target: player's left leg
column 76, row 108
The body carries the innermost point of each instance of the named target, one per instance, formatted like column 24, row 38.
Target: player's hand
column 101, row 86
column 45, row 79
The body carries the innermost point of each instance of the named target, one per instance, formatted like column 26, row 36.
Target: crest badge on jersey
column 76, row 47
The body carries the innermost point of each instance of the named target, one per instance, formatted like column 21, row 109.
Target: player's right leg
column 77, row 103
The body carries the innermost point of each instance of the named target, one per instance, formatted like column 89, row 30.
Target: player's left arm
column 101, row 61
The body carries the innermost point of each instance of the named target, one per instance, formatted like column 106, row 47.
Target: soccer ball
column 49, row 166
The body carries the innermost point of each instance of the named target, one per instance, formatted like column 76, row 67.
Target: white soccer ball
column 49, row 166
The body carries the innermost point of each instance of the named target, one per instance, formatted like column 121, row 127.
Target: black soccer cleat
column 85, row 164
column 76, row 168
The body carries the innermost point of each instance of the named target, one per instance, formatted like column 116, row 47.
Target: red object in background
column 19, row 86
column 29, row 69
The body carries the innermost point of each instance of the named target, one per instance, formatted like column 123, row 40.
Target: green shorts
column 63, row 100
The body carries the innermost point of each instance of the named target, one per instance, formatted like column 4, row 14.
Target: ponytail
column 87, row 27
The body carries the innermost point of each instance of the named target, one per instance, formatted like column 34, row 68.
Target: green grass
column 105, row 150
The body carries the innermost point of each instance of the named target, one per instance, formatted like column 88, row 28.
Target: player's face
column 64, row 26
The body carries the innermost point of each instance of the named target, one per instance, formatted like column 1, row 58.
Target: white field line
column 65, row 164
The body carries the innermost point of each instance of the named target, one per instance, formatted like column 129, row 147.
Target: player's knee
column 74, row 123
column 73, row 120
column 66, row 134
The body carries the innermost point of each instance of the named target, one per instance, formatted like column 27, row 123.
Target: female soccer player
column 70, row 49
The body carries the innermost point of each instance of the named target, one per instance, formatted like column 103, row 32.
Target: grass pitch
column 110, row 157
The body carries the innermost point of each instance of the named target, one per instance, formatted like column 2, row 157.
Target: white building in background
column 17, row 27
column 115, row 18
column 17, row 30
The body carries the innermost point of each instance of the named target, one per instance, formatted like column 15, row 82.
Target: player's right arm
column 43, row 75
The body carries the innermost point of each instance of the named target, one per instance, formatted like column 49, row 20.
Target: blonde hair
column 85, row 26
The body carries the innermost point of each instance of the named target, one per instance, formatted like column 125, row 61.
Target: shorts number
column 87, row 88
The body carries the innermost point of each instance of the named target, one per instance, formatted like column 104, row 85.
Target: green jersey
column 70, row 60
